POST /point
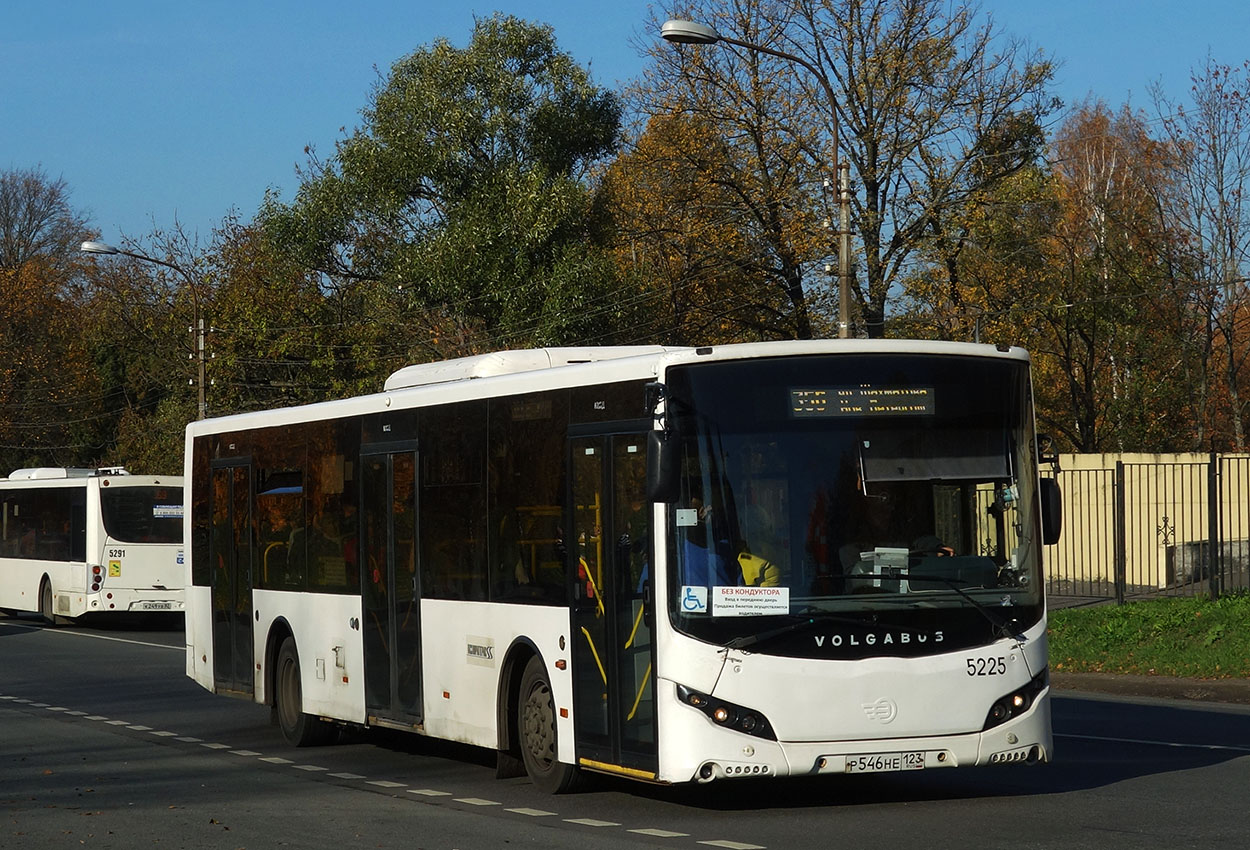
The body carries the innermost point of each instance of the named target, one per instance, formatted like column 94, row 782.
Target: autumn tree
column 925, row 93
column 48, row 392
column 463, row 199
column 1211, row 135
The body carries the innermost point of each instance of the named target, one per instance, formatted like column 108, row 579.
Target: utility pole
column 197, row 328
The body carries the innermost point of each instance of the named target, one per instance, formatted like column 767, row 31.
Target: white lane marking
column 216, row 746
column 383, row 783
column 661, row 833
column 187, row 739
column 346, row 775
column 429, row 792
column 733, row 845
column 247, row 753
column 590, row 822
column 182, row 648
column 161, row 734
column 308, row 767
column 476, row 801
column 532, row 813
column 118, row 722
column 57, row 708
column 1175, row 744
column 275, row 760
column 138, row 728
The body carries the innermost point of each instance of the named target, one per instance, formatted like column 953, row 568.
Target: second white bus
column 90, row 541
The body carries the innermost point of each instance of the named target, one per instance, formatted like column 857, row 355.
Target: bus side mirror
column 1052, row 511
column 663, row 466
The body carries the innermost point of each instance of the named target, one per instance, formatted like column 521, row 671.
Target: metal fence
column 1143, row 526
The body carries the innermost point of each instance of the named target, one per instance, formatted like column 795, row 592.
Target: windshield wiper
column 1008, row 627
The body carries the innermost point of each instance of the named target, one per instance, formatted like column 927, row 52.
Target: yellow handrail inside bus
column 646, row 677
column 599, row 663
column 634, row 633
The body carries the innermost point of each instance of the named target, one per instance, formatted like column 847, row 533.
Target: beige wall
column 1166, row 506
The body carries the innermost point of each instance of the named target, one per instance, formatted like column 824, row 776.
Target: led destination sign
column 861, row 401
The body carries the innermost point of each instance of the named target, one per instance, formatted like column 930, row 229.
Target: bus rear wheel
column 299, row 729
column 45, row 605
column 536, row 724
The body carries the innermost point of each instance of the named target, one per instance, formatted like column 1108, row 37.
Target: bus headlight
column 727, row 714
column 1017, row 702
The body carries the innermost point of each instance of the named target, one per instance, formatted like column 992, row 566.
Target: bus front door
column 390, row 597
column 230, row 553
column 609, row 550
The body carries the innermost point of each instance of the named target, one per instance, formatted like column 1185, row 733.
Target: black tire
column 46, row 603
column 299, row 729
column 536, row 729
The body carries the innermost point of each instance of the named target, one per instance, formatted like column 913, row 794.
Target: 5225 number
column 994, row 666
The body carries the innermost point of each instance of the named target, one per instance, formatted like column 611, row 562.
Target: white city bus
column 90, row 541
column 671, row 564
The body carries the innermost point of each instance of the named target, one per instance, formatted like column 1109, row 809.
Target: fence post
column 1120, row 532
column 1215, row 566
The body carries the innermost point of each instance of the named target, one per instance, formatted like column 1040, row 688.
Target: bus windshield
column 142, row 514
column 854, row 505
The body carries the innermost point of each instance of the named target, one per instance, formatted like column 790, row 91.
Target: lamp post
column 690, row 32
column 105, row 248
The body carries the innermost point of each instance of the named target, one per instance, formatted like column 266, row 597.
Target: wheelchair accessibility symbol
column 693, row 599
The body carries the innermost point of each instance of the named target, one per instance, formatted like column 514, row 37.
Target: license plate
column 156, row 606
column 884, row 762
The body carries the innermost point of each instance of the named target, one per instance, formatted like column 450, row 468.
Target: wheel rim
column 538, row 726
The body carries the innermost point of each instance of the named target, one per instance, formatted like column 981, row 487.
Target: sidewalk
column 1160, row 687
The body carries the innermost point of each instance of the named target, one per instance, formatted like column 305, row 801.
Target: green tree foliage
column 464, row 195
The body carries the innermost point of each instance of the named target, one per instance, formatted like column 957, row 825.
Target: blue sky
column 153, row 110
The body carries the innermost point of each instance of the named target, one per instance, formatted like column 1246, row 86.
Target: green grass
column 1187, row 636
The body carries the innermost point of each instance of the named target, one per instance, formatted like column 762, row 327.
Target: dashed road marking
column 346, row 775
column 476, row 801
column 591, row 822
column 246, row 753
column 385, row 783
column 532, row 813
column 429, row 792
column 661, row 833
column 733, row 845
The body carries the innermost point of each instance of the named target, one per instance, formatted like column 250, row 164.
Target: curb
column 1159, row 687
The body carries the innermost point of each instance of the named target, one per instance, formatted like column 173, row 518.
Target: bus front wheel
column 537, row 727
column 299, row 729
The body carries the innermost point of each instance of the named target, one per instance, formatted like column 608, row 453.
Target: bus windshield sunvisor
column 925, row 455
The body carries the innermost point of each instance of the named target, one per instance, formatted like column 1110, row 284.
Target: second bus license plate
column 884, row 762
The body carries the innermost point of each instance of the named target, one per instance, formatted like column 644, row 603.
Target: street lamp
column 691, row 32
column 105, row 248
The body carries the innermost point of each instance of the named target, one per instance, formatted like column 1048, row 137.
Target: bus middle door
column 390, row 597
column 609, row 549
column 230, row 553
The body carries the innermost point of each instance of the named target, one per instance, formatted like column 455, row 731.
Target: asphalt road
column 105, row 743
